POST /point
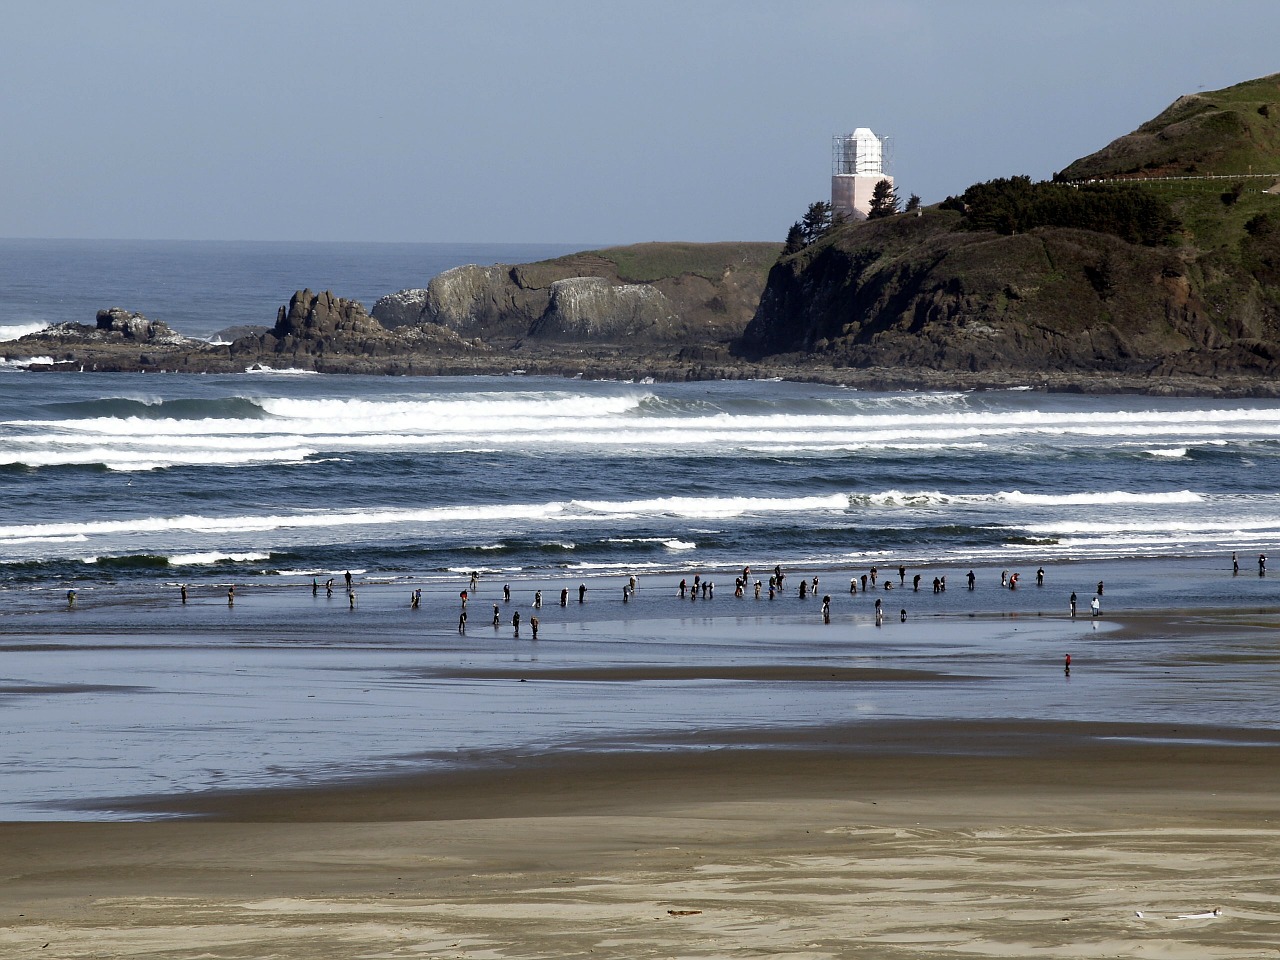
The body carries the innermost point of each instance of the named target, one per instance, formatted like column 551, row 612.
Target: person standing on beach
column 328, row 587
column 902, row 615
column 315, row 587
column 1073, row 604
column 1262, row 564
column 757, row 589
column 506, row 593
column 474, row 582
column 1040, row 577
column 537, row 599
column 804, row 589
column 1099, row 588
column 902, row 575
column 71, row 598
column 631, row 581
column 231, row 595
column 515, row 622
column 1235, row 564
column 972, row 578
column 915, row 584
column 351, row 599
column 497, row 619
column 533, row 625
column 462, row 622
column 564, row 596
column 1095, row 605
column 582, row 593
column 348, row 577
column 184, row 593
column 826, row 608
column 879, row 613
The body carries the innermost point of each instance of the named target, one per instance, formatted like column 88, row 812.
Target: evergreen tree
column 913, row 203
column 884, row 201
column 816, row 221
column 795, row 239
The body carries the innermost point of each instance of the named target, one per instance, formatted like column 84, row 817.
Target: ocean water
column 199, row 288
column 114, row 477
column 124, row 487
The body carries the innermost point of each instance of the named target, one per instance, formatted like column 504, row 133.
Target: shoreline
column 606, row 366
column 582, row 779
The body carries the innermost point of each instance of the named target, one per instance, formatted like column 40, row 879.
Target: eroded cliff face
column 594, row 307
column 692, row 295
column 916, row 293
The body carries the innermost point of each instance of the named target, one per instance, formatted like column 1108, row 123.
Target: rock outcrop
column 641, row 298
column 318, row 323
column 136, row 327
column 594, row 308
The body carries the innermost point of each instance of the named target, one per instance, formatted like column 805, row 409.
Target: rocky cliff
column 643, row 297
column 1170, row 278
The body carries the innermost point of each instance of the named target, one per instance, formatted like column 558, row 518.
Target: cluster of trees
column 815, row 224
column 1016, row 205
column 820, row 218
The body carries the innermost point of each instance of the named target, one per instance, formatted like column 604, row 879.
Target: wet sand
column 999, row 840
column 858, row 837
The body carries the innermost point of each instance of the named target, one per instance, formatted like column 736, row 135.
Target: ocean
column 125, row 487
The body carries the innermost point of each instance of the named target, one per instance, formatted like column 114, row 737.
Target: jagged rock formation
column 136, row 327
column 315, row 323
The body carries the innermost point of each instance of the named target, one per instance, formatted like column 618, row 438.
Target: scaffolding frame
column 844, row 156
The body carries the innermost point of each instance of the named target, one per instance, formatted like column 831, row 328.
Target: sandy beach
column 977, row 840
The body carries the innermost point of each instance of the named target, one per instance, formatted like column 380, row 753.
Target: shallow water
column 141, row 695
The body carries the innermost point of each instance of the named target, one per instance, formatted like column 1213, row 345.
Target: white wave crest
column 1167, row 452
column 579, row 510
column 14, row 331
column 204, row 559
column 279, row 371
column 929, row 498
column 712, row 507
column 22, row 363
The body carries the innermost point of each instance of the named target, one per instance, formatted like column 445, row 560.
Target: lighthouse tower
column 858, row 163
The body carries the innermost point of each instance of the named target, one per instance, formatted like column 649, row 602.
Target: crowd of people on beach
column 700, row 588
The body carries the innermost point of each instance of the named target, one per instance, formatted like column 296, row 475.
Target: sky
column 562, row 121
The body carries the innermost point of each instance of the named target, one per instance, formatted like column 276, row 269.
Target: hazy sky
column 562, row 121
